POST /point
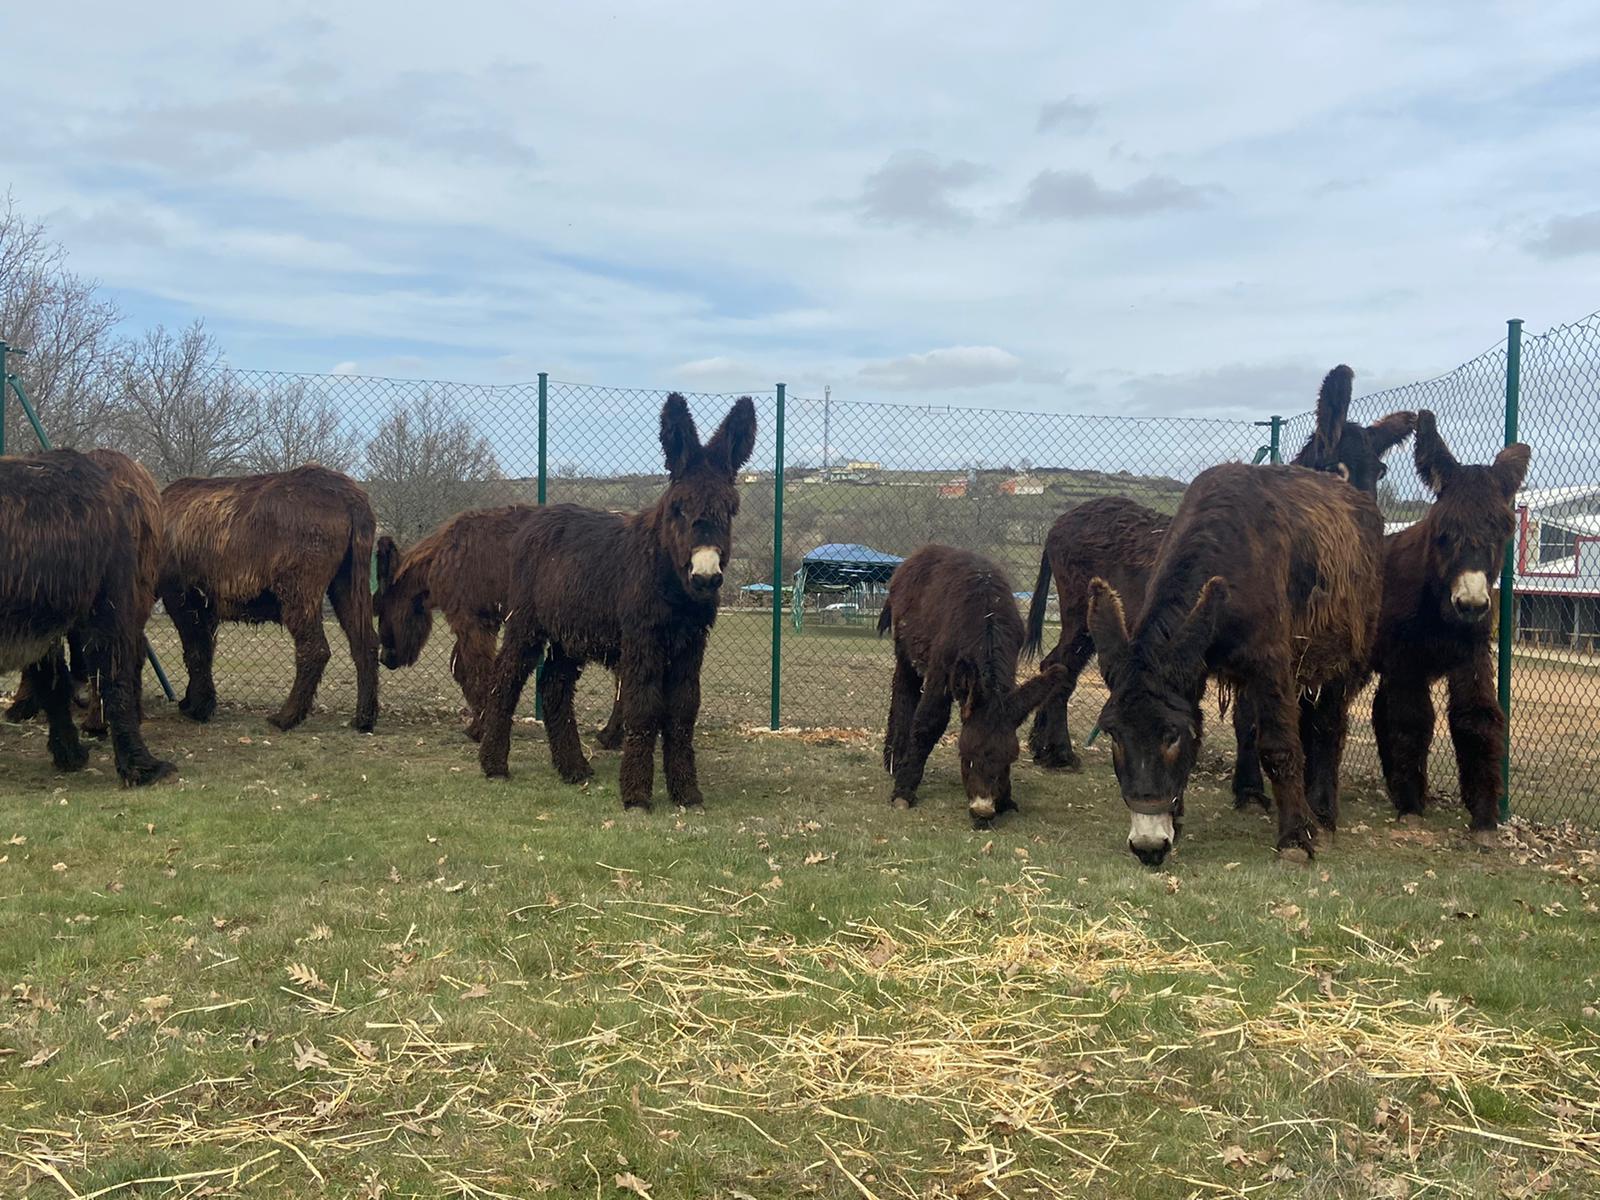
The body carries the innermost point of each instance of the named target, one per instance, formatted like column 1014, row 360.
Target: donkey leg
column 1322, row 733
column 609, row 736
column 677, row 731
column 1248, row 785
column 1278, row 718
column 355, row 619
column 928, row 724
column 1050, row 739
column 311, row 654
column 1403, row 720
column 49, row 681
column 473, row 667
column 25, row 703
column 904, row 692
column 1478, row 732
column 114, row 653
column 643, row 708
column 557, row 681
column 195, row 619
column 519, row 654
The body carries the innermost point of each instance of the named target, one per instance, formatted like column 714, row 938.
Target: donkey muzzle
column 705, row 568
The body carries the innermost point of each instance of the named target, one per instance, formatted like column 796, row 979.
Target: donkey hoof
column 69, row 758
column 642, row 805
column 154, row 772
column 1244, row 799
column 1487, row 839
column 1296, row 855
column 284, row 722
column 1410, row 820
column 580, row 774
column 903, row 803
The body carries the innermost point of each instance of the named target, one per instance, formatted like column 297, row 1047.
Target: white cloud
column 949, row 368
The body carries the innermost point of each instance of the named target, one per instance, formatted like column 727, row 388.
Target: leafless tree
column 186, row 413
column 298, row 423
column 66, row 328
column 425, row 464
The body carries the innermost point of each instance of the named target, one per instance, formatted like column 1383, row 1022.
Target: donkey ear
column 388, row 559
column 1333, row 406
column 680, row 441
column 1435, row 463
column 1107, row 625
column 1388, row 432
column 730, row 447
column 1038, row 690
column 1511, row 467
column 1200, row 626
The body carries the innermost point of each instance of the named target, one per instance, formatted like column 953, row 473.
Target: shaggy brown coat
column 637, row 593
column 268, row 548
column 73, row 536
column 1438, row 594
column 1270, row 579
column 462, row 569
column 957, row 637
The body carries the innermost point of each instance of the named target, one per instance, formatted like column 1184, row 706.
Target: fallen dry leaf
column 306, row 977
column 627, row 1181
column 307, row 1057
column 42, row 1056
column 476, row 992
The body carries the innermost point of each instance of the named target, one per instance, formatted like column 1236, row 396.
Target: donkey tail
column 884, row 619
column 1036, row 607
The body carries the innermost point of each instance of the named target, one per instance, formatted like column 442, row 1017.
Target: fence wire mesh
column 864, row 485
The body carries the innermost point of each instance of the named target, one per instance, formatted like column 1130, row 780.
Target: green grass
column 328, row 964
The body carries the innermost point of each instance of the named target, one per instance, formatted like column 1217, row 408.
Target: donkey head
column 1470, row 522
column 988, row 743
column 1353, row 451
column 694, row 518
column 405, row 617
column 1153, row 714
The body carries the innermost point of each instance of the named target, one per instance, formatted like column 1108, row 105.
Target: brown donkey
column 1269, row 579
column 637, row 593
column 463, row 569
column 73, row 536
column 1438, row 593
column 1117, row 539
column 268, row 548
column 957, row 637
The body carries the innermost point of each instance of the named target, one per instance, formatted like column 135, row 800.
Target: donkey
column 263, row 548
column 150, row 548
column 957, row 636
column 1118, row 539
column 463, row 569
column 72, row 533
column 1269, row 578
column 637, row 593
column 1438, row 592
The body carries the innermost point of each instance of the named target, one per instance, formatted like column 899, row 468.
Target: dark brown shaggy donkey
column 637, row 593
column 957, row 637
column 1438, row 593
column 72, row 534
column 268, row 548
column 1269, row 578
column 1117, row 539
column 463, row 569
column 150, row 546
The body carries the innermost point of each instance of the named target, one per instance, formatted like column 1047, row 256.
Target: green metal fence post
column 4, row 349
column 1277, row 431
column 1509, row 568
column 777, row 563
column 544, row 404
column 544, row 400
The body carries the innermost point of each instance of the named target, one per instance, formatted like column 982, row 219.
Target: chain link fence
column 859, row 486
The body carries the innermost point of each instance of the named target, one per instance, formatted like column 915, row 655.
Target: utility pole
column 827, row 422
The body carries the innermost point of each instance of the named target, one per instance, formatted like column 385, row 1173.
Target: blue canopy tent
column 839, row 567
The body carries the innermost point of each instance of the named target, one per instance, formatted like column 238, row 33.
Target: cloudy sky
column 1143, row 208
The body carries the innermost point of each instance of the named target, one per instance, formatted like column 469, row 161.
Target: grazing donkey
column 637, row 593
column 73, row 533
column 1269, row 578
column 463, row 569
column 263, row 548
column 150, row 548
column 1438, row 593
column 1117, row 539
column 957, row 636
